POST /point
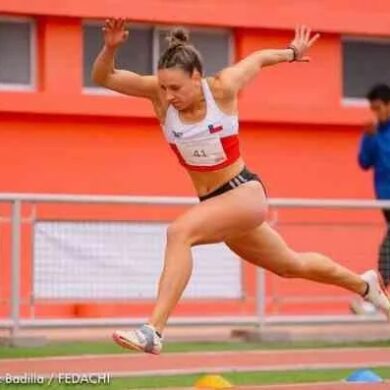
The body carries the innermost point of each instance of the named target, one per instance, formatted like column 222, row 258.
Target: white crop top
column 207, row 145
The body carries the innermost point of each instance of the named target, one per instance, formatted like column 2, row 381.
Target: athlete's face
column 178, row 87
column 380, row 109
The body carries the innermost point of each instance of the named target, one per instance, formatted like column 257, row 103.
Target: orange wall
column 80, row 155
column 348, row 16
column 72, row 155
column 290, row 93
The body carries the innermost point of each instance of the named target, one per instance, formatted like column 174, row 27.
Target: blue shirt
column 375, row 153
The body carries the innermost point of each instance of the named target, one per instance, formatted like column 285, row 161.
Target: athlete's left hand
column 302, row 41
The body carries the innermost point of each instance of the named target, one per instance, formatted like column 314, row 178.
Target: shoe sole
column 128, row 344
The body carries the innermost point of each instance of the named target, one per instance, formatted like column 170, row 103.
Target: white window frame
column 216, row 31
column 156, row 49
column 101, row 90
column 32, row 86
column 360, row 102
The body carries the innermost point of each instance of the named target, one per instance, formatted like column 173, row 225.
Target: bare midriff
column 206, row 182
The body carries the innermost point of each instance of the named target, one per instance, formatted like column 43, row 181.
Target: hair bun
column 178, row 36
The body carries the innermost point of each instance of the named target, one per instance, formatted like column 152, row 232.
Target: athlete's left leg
column 264, row 247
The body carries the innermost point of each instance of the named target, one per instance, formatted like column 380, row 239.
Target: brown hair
column 180, row 53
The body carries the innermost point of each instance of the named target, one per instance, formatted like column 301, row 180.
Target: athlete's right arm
column 123, row 81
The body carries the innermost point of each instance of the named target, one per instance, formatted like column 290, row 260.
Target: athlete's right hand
column 114, row 32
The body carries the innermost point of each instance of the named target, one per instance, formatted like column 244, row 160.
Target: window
column 365, row 63
column 140, row 52
column 214, row 46
column 17, row 59
column 136, row 54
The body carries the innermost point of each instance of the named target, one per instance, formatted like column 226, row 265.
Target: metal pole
column 16, row 222
column 32, row 257
column 183, row 201
column 260, row 299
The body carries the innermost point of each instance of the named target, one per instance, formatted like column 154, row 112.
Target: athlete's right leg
column 210, row 221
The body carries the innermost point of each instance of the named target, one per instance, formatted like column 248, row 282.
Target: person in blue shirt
column 374, row 154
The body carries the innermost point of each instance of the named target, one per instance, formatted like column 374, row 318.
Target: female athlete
column 200, row 122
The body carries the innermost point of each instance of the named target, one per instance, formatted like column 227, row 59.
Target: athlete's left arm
column 235, row 77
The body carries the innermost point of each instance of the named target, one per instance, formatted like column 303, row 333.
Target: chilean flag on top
column 214, row 129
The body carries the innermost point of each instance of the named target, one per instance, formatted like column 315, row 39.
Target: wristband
column 295, row 53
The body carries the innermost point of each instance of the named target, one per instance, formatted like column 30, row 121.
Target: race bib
column 206, row 151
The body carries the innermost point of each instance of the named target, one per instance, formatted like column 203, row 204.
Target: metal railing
column 14, row 323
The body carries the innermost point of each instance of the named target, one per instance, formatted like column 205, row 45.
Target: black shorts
column 243, row 177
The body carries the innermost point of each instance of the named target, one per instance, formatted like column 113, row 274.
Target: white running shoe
column 143, row 339
column 361, row 307
column 376, row 292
